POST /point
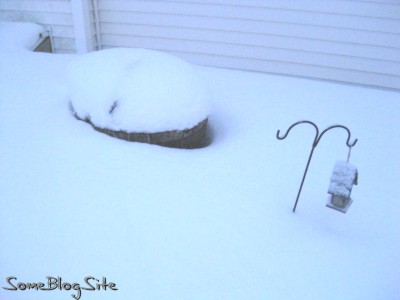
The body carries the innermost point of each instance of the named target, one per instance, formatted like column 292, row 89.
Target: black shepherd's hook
column 314, row 144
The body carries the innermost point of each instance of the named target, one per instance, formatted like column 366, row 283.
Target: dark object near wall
column 44, row 43
column 191, row 138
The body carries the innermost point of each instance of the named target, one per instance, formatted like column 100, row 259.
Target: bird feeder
column 340, row 203
column 344, row 176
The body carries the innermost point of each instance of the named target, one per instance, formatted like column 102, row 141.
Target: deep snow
column 212, row 223
column 137, row 90
column 19, row 35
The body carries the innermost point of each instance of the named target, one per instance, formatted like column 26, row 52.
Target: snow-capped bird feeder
column 344, row 176
column 317, row 138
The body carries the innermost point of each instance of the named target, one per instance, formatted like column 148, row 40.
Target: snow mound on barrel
column 137, row 90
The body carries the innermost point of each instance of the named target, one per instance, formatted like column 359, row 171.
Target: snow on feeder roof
column 23, row 35
column 138, row 95
column 343, row 177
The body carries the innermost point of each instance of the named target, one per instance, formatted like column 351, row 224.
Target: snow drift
column 18, row 35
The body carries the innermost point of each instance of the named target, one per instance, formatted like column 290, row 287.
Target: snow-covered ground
column 212, row 223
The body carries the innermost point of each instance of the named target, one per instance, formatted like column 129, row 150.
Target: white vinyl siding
column 54, row 14
column 352, row 41
column 341, row 40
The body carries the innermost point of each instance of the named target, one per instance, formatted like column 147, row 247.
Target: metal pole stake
column 317, row 138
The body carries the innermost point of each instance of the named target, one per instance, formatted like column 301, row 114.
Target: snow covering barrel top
column 343, row 177
column 137, row 90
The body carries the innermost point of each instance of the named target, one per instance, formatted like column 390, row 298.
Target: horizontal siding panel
column 271, row 28
column 37, row 17
column 64, row 43
column 312, row 72
column 36, row 6
column 331, row 39
column 355, row 8
column 254, row 7
column 54, row 14
column 343, row 40
column 62, row 31
column 261, row 53
column 251, row 39
column 282, row 16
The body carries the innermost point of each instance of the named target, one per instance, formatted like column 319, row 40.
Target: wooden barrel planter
column 143, row 91
column 191, row 138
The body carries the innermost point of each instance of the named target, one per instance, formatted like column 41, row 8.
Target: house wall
column 354, row 41
column 341, row 40
column 54, row 14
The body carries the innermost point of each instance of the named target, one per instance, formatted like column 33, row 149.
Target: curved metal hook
column 314, row 145
column 293, row 125
column 337, row 126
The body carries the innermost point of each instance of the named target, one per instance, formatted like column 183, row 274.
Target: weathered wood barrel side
column 191, row 138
